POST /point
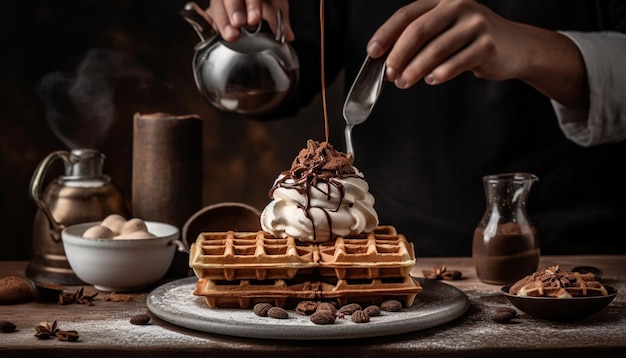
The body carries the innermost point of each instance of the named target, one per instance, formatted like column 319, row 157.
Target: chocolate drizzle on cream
column 318, row 163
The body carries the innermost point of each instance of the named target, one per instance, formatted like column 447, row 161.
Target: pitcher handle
column 280, row 27
column 199, row 20
column 36, row 183
column 201, row 23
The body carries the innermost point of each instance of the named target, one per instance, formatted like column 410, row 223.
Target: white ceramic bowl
column 121, row 265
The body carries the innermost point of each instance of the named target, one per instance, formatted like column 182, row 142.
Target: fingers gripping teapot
column 250, row 76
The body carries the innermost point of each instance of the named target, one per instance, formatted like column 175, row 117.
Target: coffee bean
column 391, row 306
column 277, row 312
column 261, row 309
column 372, row 310
column 140, row 319
column 502, row 316
column 349, row 308
column 323, row 317
column 360, row 317
column 512, row 311
column 6, row 327
column 326, row 306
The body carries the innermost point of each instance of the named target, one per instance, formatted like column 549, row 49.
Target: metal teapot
column 82, row 194
column 250, row 76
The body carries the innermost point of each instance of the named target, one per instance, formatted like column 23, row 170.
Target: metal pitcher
column 82, row 194
column 252, row 75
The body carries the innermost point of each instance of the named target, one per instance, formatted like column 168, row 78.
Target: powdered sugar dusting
column 174, row 302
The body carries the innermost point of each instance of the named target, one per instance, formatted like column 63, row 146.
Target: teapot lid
column 84, row 163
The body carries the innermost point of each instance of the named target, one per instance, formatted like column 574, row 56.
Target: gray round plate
column 174, row 302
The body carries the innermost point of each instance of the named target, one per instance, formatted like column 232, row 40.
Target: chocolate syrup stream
column 305, row 177
column 323, row 68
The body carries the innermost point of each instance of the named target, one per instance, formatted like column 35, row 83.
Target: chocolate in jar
column 506, row 256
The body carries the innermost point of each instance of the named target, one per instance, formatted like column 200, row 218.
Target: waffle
column 246, row 293
column 246, row 255
column 552, row 282
column 381, row 253
column 239, row 269
column 250, row 255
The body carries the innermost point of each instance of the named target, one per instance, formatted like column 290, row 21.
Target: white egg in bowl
column 121, row 261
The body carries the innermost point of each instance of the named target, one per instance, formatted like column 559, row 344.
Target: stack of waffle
column 240, row 269
column 552, row 282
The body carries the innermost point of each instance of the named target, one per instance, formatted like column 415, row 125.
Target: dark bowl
column 560, row 309
column 221, row 217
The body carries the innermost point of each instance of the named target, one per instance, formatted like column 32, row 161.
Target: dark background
column 149, row 48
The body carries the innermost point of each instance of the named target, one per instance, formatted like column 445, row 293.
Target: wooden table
column 105, row 330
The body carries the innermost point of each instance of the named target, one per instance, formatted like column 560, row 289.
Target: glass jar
column 505, row 246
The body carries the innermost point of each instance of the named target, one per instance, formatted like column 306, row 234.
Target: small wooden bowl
column 221, row 217
column 560, row 309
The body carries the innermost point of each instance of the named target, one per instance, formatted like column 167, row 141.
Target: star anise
column 78, row 297
column 46, row 330
column 70, row 336
column 441, row 273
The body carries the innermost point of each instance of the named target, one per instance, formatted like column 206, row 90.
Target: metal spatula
column 363, row 95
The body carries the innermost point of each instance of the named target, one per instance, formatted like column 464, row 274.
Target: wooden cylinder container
column 167, row 170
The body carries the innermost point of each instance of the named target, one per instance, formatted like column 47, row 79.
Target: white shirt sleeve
column 604, row 54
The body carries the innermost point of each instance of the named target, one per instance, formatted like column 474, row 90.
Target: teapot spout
column 199, row 20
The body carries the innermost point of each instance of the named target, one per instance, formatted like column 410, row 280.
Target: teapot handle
column 199, row 20
column 36, row 190
column 280, row 28
column 280, row 25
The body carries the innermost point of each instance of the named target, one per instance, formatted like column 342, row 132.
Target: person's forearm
column 605, row 121
column 556, row 68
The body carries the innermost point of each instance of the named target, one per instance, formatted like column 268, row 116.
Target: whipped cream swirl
column 322, row 196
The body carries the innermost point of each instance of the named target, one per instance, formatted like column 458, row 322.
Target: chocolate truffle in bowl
column 114, row 259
